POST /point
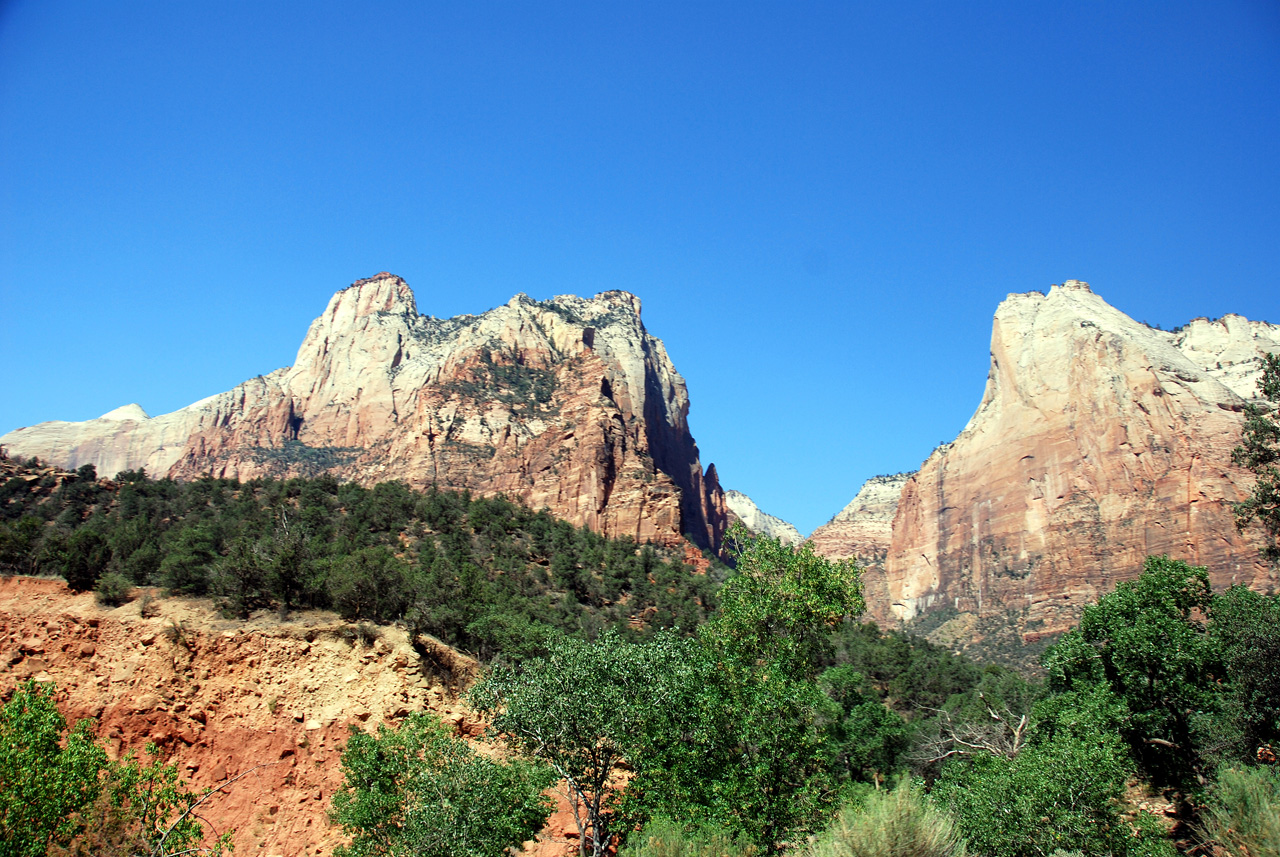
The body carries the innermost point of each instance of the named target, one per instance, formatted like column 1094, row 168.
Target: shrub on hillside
column 112, row 589
column 662, row 837
column 1244, row 811
column 898, row 823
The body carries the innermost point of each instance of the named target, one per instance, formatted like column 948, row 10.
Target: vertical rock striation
column 1098, row 441
column 568, row 404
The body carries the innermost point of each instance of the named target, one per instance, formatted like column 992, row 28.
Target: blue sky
column 820, row 205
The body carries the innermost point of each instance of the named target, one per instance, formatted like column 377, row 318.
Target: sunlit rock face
column 1098, row 441
column 757, row 521
column 567, row 404
column 863, row 528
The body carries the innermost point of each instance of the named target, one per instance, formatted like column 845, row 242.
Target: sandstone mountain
column 567, row 404
column 758, row 521
column 1098, row 441
column 861, row 530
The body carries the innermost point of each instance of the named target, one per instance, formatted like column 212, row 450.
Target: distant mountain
column 862, row 529
column 760, row 522
column 1099, row 440
column 567, row 404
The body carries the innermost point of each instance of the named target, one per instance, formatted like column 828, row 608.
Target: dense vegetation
column 483, row 574
column 750, row 710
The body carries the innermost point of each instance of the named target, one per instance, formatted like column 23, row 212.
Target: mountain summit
column 568, row 404
column 1098, row 441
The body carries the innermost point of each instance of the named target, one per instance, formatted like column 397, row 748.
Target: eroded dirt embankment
column 271, row 697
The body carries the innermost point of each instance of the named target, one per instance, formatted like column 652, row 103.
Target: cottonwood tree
column 580, row 710
column 418, row 790
column 1259, row 451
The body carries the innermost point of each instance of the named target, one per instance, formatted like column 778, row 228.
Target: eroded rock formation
column 567, row 404
column 1098, row 441
column 759, row 521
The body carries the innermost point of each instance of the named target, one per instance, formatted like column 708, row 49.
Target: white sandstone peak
column 759, row 521
column 132, row 411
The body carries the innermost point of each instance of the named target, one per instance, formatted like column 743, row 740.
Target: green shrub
column 417, row 790
column 898, row 823
column 112, row 589
column 1244, row 811
column 47, row 774
column 1061, row 792
column 662, row 837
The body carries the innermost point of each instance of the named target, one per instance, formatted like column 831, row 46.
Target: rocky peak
column 131, row 411
column 1098, row 441
column 862, row 529
column 758, row 521
column 568, row 403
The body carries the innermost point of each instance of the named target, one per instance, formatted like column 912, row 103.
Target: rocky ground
column 268, row 700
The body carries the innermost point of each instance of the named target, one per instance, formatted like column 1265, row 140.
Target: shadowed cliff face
column 1098, row 441
column 568, row 404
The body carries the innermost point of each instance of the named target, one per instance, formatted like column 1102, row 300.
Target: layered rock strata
column 1098, row 442
column 567, row 404
column 758, row 521
column 863, row 528
column 862, row 531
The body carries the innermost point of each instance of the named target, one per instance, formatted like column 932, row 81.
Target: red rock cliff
column 1098, row 441
column 568, row 404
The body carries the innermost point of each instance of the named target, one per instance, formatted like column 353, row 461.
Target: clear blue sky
column 820, row 205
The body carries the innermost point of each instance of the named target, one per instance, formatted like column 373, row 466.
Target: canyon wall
column 567, row 404
column 1098, row 442
column 758, row 521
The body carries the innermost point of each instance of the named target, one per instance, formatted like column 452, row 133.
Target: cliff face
column 863, row 528
column 759, row 521
column 568, row 404
column 1098, row 441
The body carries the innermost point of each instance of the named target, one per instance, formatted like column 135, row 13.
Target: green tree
column 1060, row 792
column 417, row 790
column 48, row 775
column 85, row 558
column 60, row 794
column 580, row 710
column 1246, row 628
column 1259, row 451
column 369, row 584
column 1148, row 642
column 745, row 735
column 781, row 605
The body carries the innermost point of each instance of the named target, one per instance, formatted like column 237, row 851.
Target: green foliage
column 662, row 837
column 309, row 460
column 145, row 809
column 369, row 584
column 1259, row 451
column 482, row 574
column 1246, row 627
column 112, row 589
column 781, row 605
column 1244, row 811
column 730, row 728
column 1060, row 792
column 48, row 776
column 417, row 790
column 747, row 742
column 866, row 740
column 898, row 823
column 1149, row 644
column 60, row 794
column 85, row 558
column 580, row 709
